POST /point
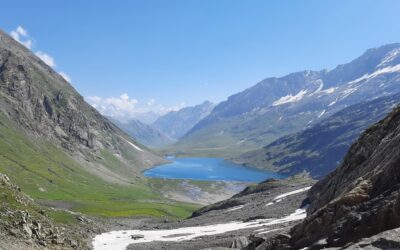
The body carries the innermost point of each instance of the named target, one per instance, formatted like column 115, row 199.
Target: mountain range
column 167, row 128
column 278, row 106
column 322, row 147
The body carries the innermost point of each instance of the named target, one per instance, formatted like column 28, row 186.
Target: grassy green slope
column 47, row 174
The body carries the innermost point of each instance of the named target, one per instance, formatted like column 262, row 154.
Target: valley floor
column 262, row 210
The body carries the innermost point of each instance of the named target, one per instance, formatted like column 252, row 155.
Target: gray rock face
column 389, row 239
column 321, row 148
column 240, row 242
column 362, row 197
column 278, row 106
column 21, row 219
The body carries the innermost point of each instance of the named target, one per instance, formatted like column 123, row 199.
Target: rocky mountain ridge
column 281, row 105
column 322, row 147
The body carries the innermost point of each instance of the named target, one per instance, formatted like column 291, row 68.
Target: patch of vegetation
column 47, row 173
column 61, row 216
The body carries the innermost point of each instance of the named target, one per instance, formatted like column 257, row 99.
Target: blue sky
column 189, row 51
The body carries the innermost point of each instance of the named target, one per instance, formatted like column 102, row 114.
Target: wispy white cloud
column 121, row 106
column 21, row 31
column 21, row 35
column 164, row 110
column 151, row 102
column 49, row 60
column 124, row 107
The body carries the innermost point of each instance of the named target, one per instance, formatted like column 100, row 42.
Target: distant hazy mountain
column 279, row 106
column 145, row 134
column 147, row 117
column 321, row 148
column 177, row 123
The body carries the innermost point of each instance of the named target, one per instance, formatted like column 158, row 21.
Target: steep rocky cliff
column 362, row 197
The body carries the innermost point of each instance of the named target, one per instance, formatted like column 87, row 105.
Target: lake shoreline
column 209, row 169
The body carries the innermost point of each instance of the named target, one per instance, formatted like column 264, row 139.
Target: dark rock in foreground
column 362, row 197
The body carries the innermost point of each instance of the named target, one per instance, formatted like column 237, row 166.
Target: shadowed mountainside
column 321, row 148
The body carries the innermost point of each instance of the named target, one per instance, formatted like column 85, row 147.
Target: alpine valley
column 74, row 178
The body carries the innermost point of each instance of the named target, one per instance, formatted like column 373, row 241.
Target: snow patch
column 291, row 193
column 321, row 85
column 329, row 91
column 326, row 91
column 263, row 231
column 235, row 208
column 290, row 98
column 119, row 240
column 390, row 69
column 133, row 145
column 333, row 103
column 322, row 113
column 279, row 198
column 389, row 57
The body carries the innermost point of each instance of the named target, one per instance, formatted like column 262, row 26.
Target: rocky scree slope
column 26, row 225
column 281, row 105
column 38, row 101
column 321, row 148
column 359, row 199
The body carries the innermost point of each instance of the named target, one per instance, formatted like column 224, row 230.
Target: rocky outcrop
column 23, row 220
column 389, row 239
column 362, row 197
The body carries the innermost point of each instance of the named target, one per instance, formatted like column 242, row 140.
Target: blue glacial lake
column 211, row 169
